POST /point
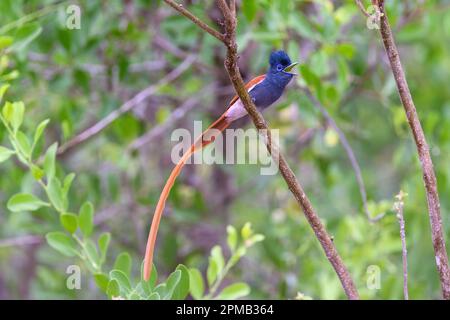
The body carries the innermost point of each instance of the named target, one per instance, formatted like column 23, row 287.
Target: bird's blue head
column 280, row 68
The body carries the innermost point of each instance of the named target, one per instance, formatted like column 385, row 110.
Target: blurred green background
column 76, row 77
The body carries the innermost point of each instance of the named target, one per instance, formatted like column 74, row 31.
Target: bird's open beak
column 290, row 67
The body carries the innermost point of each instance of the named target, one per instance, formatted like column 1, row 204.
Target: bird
column 264, row 90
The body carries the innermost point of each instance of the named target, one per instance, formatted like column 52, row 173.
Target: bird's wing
column 236, row 109
column 249, row 86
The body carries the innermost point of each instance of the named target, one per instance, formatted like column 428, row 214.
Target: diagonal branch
column 287, row 173
column 179, row 7
column 127, row 106
column 350, row 154
column 429, row 176
column 361, row 7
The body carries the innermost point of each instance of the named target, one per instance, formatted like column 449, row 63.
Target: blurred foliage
column 76, row 77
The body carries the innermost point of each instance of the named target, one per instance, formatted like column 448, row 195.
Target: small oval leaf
column 69, row 221
column 62, row 243
column 86, row 218
column 234, row 291
column 25, row 202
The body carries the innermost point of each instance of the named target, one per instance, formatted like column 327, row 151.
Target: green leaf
column 249, row 8
column 161, row 289
column 10, row 76
column 25, row 202
column 153, row 277
column 196, row 283
column 266, row 36
column 240, row 252
column 234, row 291
column 24, row 144
column 123, row 263
column 122, row 280
column 232, row 238
column 134, row 296
column 211, row 272
column 7, row 111
column 310, row 77
column 16, row 117
column 154, row 296
column 91, row 250
column 86, row 218
column 113, row 288
column 217, row 256
column 254, row 239
column 69, row 221
column 150, row 284
column 67, row 183
column 5, row 41
column 171, row 283
column 182, row 289
column 3, row 90
column 25, row 35
column 103, row 244
column 102, row 281
column 140, row 290
column 55, row 194
column 49, row 161
column 62, row 243
column 301, row 24
column 346, row 49
column 39, row 130
column 4, row 63
column 5, row 153
column 37, row 172
column 246, row 231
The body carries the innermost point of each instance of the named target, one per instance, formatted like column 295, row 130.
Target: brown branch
column 124, row 108
column 287, row 173
column 429, row 176
column 398, row 207
column 179, row 7
column 233, row 7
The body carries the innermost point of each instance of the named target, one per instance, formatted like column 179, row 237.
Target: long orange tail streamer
column 206, row 138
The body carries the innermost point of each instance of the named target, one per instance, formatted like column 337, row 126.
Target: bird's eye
column 279, row 67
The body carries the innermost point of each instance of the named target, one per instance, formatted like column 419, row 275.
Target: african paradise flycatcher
column 264, row 90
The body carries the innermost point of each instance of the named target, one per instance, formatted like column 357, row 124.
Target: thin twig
column 429, row 176
column 351, row 155
column 179, row 7
column 398, row 207
column 127, row 106
column 361, row 7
